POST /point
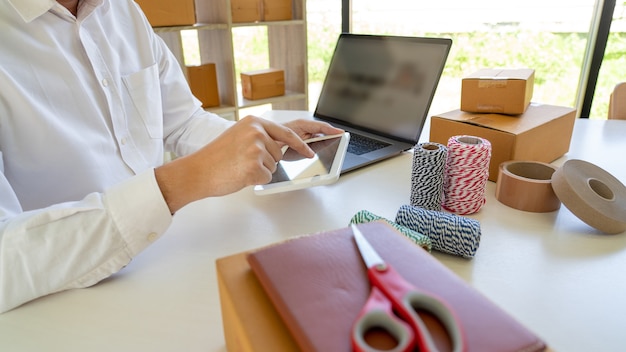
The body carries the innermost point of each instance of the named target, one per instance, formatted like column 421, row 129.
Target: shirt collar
column 31, row 9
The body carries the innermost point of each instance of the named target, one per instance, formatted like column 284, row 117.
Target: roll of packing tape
column 527, row 186
column 592, row 194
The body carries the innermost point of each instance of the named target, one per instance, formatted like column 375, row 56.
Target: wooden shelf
column 197, row 26
column 287, row 50
column 268, row 23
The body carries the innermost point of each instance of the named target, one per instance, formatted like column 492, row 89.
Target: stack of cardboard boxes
column 496, row 105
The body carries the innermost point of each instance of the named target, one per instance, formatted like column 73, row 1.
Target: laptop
column 379, row 88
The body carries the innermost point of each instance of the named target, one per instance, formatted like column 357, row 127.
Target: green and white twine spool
column 421, row 240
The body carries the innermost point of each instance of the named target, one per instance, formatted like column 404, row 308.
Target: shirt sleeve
column 75, row 244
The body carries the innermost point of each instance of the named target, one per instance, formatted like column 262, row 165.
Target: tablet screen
column 295, row 171
column 294, row 166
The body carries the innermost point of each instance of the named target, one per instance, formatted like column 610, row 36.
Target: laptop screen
column 383, row 84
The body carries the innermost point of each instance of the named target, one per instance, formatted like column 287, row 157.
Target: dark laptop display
column 379, row 88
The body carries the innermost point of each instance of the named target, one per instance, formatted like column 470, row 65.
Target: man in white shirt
column 90, row 99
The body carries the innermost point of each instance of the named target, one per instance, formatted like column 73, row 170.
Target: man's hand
column 245, row 154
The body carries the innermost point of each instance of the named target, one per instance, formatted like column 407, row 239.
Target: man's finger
column 311, row 128
column 287, row 136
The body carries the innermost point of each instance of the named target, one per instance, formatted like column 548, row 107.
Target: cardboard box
column 543, row 133
column 501, row 91
column 261, row 10
column 277, row 10
column 163, row 13
column 263, row 83
column 250, row 321
column 203, row 83
column 245, row 10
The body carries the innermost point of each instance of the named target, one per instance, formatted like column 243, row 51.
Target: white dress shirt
column 88, row 105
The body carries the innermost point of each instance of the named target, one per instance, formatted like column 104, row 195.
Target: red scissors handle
column 378, row 314
column 406, row 301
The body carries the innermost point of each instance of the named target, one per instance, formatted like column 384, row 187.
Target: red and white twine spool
column 466, row 174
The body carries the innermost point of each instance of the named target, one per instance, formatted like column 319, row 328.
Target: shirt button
column 152, row 236
column 123, row 141
column 105, row 82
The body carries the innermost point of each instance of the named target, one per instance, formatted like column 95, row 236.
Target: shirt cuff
column 138, row 210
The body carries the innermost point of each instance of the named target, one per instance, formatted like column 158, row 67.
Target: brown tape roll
column 592, row 194
column 527, row 185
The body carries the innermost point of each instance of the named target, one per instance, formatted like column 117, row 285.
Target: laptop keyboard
column 360, row 144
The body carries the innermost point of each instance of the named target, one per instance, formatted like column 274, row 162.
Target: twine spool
column 449, row 233
column 365, row 216
column 466, row 174
column 429, row 162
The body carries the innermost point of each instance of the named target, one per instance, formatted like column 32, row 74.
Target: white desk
column 558, row 276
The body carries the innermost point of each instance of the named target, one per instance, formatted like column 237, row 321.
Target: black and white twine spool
column 449, row 233
column 429, row 162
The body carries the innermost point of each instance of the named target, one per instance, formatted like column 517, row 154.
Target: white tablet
column 295, row 171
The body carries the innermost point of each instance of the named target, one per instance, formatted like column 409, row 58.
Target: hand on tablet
column 296, row 172
column 245, row 154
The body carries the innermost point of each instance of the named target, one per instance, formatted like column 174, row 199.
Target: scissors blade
column 369, row 255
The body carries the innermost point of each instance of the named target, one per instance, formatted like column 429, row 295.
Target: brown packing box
column 542, row 133
column 277, row 10
column 163, row 13
column 502, row 91
column 263, row 83
column 245, row 10
column 203, row 83
column 249, row 319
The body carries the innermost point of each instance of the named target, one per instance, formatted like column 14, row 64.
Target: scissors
column 391, row 293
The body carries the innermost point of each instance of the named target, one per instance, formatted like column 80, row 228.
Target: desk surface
column 554, row 273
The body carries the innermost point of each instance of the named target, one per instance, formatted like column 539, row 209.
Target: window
column 324, row 27
column 549, row 36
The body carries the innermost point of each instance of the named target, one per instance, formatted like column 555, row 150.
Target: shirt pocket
column 144, row 91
